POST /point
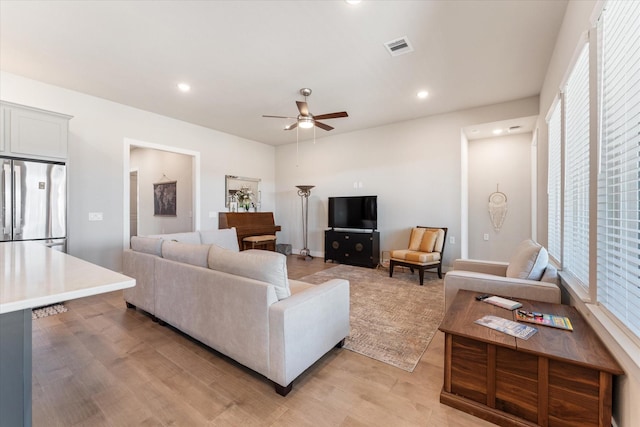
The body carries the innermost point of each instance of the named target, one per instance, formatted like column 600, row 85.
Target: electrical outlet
column 95, row 216
column 486, row 236
column 452, row 240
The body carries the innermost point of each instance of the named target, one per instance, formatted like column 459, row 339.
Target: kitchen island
column 33, row 275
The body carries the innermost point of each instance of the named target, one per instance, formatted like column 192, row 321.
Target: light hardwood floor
column 101, row 364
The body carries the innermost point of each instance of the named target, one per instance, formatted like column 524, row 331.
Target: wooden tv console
column 555, row 378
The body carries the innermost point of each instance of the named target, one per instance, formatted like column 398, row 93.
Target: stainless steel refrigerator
column 34, row 202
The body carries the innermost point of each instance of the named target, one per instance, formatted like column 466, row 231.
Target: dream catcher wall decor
column 497, row 208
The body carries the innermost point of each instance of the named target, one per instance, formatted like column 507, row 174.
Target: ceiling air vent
column 514, row 128
column 399, row 46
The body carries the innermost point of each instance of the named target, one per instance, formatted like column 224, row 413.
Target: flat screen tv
column 360, row 212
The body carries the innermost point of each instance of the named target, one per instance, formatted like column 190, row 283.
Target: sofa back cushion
column 148, row 245
column 225, row 238
column 192, row 237
column 528, row 262
column 186, row 253
column 266, row 266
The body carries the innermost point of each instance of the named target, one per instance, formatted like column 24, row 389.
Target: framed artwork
column 238, row 185
column 164, row 199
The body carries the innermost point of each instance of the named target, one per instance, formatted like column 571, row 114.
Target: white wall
column 156, row 166
column 96, row 162
column 505, row 162
column 414, row 168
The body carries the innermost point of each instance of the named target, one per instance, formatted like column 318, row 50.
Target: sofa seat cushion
column 225, row 238
column 186, row 252
column 148, row 245
column 416, row 257
column 266, row 266
column 529, row 261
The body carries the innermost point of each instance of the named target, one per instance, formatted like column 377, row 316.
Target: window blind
column 618, row 190
column 575, row 257
column 553, row 184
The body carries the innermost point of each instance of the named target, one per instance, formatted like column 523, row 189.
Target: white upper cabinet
column 32, row 133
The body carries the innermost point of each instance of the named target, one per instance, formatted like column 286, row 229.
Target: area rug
column 50, row 310
column 392, row 319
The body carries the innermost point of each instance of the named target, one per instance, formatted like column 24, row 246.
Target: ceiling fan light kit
column 306, row 120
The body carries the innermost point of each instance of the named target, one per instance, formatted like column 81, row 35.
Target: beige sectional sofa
column 241, row 304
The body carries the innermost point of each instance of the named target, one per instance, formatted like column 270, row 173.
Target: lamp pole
column 304, row 191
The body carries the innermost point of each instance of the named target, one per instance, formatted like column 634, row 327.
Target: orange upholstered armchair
column 426, row 245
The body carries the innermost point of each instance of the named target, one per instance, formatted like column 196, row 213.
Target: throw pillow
column 148, row 245
column 416, row 238
column 266, row 266
column 428, row 240
column 186, row 253
column 528, row 262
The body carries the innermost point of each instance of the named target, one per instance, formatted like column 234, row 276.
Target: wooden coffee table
column 556, row 377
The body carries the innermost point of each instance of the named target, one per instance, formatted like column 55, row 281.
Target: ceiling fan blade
column 331, row 115
column 303, row 108
column 279, row 117
column 322, row 126
column 291, row 126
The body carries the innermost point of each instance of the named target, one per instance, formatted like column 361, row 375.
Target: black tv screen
column 353, row 212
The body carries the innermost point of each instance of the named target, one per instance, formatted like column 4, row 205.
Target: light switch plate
column 95, row 216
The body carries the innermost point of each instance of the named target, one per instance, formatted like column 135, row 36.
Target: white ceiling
column 244, row 59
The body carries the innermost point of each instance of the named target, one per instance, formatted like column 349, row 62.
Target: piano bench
column 266, row 242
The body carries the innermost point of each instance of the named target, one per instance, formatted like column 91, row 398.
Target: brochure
column 509, row 327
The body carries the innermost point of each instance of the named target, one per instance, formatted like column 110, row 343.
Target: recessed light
column 423, row 94
column 184, row 87
column 497, row 131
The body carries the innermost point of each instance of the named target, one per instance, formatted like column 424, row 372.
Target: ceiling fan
column 305, row 119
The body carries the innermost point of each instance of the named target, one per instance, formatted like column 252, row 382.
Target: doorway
column 133, row 205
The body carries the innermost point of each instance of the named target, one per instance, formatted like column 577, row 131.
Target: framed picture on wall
column 235, row 184
column 164, row 198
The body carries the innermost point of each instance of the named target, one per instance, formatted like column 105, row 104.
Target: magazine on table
column 508, row 327
column 552, row 320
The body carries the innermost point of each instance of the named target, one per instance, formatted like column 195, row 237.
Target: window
column 618, row 281
column 554, row 173
column 575, row 243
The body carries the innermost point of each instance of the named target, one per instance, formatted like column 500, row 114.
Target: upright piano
column 248, row 223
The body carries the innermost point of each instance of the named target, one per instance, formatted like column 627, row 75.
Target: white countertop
column 32, row 275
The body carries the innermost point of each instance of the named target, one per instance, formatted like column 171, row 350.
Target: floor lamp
column 304, row 191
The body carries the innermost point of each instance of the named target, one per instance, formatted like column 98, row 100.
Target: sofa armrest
column 502, row 286
column 305, row 326
column 488, row 267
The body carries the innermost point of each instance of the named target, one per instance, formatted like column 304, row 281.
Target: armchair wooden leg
column 391, row 265
column 341, row 343
column 421, row 272
column 440, row 271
